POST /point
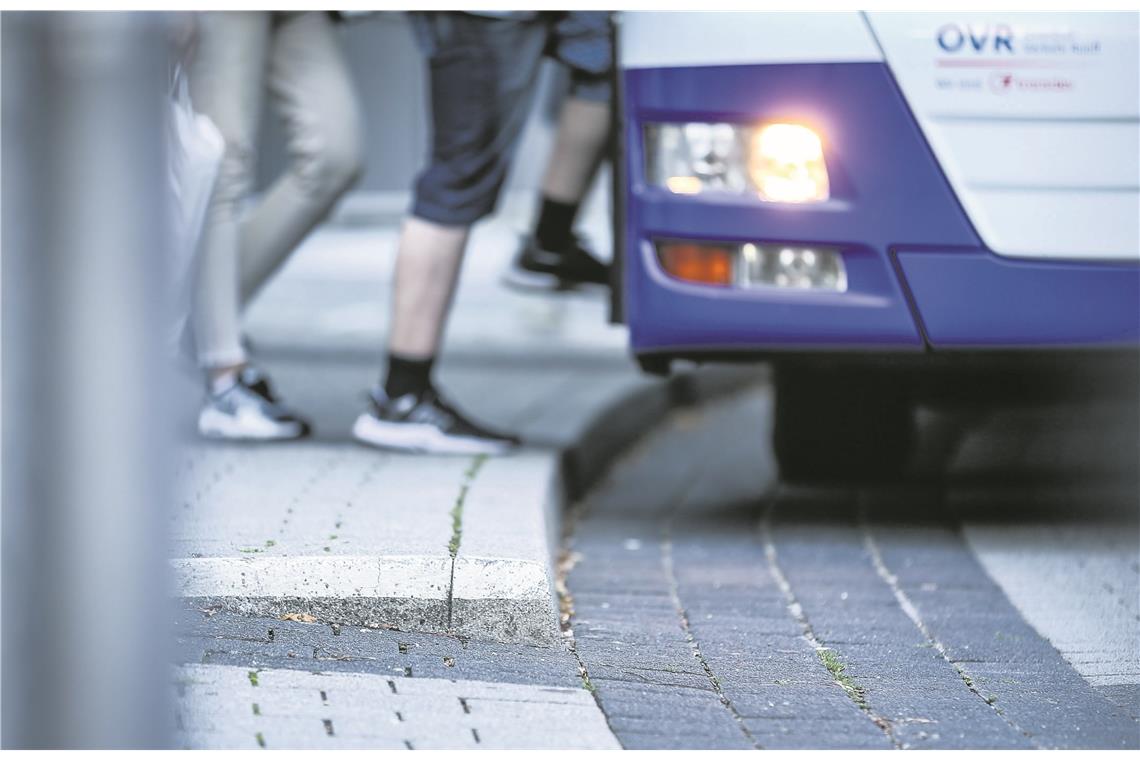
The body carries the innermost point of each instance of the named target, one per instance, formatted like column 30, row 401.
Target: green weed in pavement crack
column 457, row 510
column 457, row 526
column 585, row 676
column 838, row 670
column 827, row 657
column 253, row 678
column 912, row 612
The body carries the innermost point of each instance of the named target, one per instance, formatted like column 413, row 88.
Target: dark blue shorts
column 482, row 72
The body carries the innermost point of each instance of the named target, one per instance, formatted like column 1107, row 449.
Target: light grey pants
column 297, row 59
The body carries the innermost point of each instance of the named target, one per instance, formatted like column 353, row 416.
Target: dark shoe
column 426, row 424
column 249, row 411
column 535, row 268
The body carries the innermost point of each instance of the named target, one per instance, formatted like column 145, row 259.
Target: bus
column 874, row 202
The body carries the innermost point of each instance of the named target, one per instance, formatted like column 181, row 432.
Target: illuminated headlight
column 786, row 164
column 779, row 162
column 752, row 265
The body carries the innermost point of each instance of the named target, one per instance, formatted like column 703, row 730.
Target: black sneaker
column 425, row 424
column 249, row 411
column 535, row 268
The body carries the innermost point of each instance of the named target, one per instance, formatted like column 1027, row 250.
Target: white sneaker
column 425, row 424
column 249, row 411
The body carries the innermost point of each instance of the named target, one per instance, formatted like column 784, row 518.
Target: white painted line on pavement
column 1077, row 584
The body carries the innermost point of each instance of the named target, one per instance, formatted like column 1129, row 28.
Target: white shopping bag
column 194, row 157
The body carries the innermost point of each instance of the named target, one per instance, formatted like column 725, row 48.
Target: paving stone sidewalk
column 339, row 532
column 228, row 707
column 714, row 609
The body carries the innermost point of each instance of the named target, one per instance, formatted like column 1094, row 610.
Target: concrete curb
column 512, row 598
column 498, row 580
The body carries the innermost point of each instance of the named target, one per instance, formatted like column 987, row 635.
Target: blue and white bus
column 922, row 189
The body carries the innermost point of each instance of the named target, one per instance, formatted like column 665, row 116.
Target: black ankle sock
column 555, row 221
column 407, row 376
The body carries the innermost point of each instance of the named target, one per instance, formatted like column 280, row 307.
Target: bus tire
column 842, row 427
column 659, row 366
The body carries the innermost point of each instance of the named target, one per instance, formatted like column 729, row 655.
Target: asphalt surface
column 712, row 607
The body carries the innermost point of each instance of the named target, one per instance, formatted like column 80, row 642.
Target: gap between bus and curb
column 462, row 546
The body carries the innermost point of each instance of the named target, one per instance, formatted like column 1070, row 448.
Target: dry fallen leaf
column 298, row 617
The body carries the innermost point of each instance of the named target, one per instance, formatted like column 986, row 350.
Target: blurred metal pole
column 87, row 430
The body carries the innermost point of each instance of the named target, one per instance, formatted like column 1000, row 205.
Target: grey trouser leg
column 298, row 60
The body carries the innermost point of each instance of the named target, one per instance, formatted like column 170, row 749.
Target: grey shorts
column 482, row 72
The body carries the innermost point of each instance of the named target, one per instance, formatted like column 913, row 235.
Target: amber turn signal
column 703, row 263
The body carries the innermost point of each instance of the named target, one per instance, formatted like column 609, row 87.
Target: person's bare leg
column 553, row 258
column 427, row 267
column 583, row 127
column 407, row 412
